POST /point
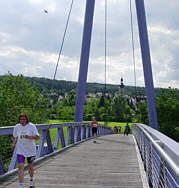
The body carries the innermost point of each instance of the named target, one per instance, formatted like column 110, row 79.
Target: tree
column 101, row 102
column 167, row 113
column 18, row 96
column 91, row 109
column 65, row 112
column 167, row 104
column 120, row 109
column 70, row 99
column 65, row 108
column 142, row 113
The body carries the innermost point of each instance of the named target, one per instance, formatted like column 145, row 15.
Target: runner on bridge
column 94, row 125
column 25, row 133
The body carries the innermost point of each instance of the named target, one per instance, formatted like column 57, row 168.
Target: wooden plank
column 110, row 163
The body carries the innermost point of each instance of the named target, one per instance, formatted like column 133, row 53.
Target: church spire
column 121, row 87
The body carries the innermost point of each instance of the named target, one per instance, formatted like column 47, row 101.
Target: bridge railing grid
column 160, row 156
column 76, row 132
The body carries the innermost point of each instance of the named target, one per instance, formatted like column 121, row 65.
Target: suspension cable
column 105, row 41
column 132, row 38
column 59, row 55
column 64, row 34
column 105, row 46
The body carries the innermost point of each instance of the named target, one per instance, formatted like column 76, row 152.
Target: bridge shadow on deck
column 111, row 163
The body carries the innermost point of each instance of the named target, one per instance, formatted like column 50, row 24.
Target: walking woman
column 94, row 125
column 25, row 134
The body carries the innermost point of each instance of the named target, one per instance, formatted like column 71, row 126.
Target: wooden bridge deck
column 112, row 162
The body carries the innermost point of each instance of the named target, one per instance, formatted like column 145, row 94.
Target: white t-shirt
column 25, row 147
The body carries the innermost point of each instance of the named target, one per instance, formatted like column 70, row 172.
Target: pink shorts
column 21, row 159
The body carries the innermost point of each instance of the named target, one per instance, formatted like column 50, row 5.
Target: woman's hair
column 24, row 115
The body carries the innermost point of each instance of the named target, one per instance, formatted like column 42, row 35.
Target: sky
column 30, row 40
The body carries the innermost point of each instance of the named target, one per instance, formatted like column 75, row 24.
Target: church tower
column 121, row 87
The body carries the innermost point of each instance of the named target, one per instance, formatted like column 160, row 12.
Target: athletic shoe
column 32, row 183
column 21, row 185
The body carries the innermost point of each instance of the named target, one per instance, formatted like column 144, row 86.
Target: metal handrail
column 76, row 132
column 165, row 156
column 160, row 155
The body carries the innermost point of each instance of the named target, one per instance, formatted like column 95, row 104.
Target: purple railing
column 160, row 156
column 74, row 133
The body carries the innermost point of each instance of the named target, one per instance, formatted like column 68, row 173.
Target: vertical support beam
column 82, row 132
column 87, row 30
column 142, row 25
column 91, row 134
column 13, row 160
column 68, row 136
column 57, row 138
column 2, row 169
column 76, row 128
column 87, row 132
column 72, row 134
column 41, row 143
column 49, row 142
column 98, row 131
column 79, row 132
column 62, row 138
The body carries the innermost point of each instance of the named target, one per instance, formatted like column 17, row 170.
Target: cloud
column 30, row 40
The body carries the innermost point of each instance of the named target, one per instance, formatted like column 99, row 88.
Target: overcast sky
column 30, row 40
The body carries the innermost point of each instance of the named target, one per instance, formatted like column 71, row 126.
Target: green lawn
column 122, row 124
column 53, row 131
column 110, row 124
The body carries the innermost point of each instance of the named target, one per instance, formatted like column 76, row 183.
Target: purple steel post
column 145, row 51
column 87, row 30
column 2, row 170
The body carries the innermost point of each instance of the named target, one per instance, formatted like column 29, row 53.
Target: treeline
column 167, row 105
column 61, row 87
column 105, row 108
column 121, row 109
column 20, row 94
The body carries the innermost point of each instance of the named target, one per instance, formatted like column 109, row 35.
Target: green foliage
column 70, row 100
column 65, row 108
column 101, row 102
column 167, row 104
column 16, row 97
column 167, row 112
column 90, row 109
column 120, row 109
column 110, row 124
column 142, row 113
column 61, row 87
column 65, row 112
column 104, row 108
column 108, row 109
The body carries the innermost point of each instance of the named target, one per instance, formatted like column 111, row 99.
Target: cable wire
column 59, row 55
column 132, row 38
column 64, row 34
column 105, row 46
column 105, row 42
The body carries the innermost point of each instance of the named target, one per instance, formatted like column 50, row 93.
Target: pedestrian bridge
column 145, row 158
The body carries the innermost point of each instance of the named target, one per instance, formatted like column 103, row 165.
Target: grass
column 110, row 124
column 122, row 124
column 53, row 131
